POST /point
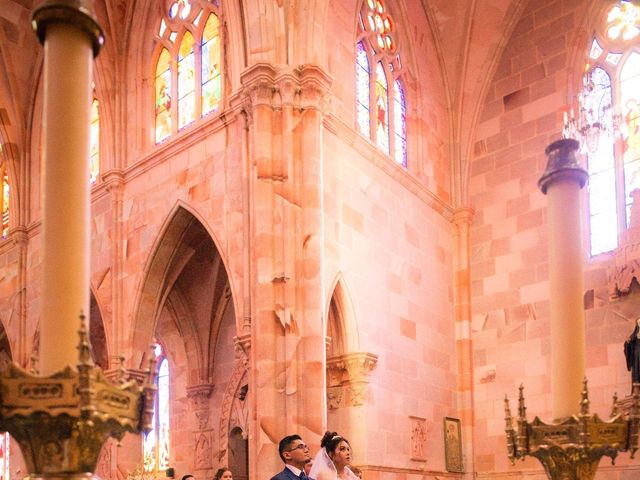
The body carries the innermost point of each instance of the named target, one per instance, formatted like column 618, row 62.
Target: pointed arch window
column 6, row 191
column 156, row 443
column 187, row 65
column 380, row 97
column 94, row 148
column 609, row 124
column 4, row 456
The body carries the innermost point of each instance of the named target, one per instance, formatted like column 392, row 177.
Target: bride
column 333, row 459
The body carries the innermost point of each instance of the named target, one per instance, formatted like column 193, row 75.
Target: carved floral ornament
column 347, row 378
column 199, row 396
column 305, row 87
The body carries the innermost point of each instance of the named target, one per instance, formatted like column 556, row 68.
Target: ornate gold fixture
column 571, row 449
column 62, row 421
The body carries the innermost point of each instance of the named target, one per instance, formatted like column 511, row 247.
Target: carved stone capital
column 114, row 180
column 348, row 378
column 463, row 216
column 315, row 84
column 259, row 84
column 288, row 88
column 199, row 396
column 360, row 365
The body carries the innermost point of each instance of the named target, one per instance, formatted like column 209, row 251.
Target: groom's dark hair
column 286, row 442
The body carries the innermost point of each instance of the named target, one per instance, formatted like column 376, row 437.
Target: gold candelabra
column 62, row 421
column 571, row 449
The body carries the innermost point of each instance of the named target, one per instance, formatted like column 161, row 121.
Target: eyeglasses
column 300, row 446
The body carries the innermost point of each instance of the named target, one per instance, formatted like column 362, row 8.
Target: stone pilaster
column 284, row 112
column 199, row 397
column 461, row 220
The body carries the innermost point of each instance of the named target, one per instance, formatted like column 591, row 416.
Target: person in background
column 223, row 474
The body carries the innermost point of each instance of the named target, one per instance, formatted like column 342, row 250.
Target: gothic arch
column 6, row 356
column 179, row 240
column 97, row 333
column 341, row 323
column 234, row 410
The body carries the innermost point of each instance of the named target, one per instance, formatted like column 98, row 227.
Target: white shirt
column 296, row 471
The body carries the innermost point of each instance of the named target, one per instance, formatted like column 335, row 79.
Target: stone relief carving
column 203, row 451
column 418, row 439
column 234, row 411
column 199, row 396
column 348, row 377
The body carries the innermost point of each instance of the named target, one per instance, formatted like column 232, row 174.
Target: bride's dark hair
column 330, row 441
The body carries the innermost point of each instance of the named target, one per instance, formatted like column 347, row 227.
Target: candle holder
column 571, row 448
column 62, row 421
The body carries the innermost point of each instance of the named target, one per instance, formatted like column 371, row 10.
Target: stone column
column 561, row 182
column 311, row 356
column 71, row 37
column 266, row 379
column 199, row 397
column 462, row 218
column 287, row 336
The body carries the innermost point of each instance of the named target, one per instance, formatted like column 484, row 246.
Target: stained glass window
column 610, row 125
column 382, row 109
column 186, row 82
column 400, row 123
column 380, row 117
column 4, row 174
column 4, row 456
column 189, row 65
column 211, row 54
column 163, row 96
column 156, row 443
column 362, row 90
column 94, row 148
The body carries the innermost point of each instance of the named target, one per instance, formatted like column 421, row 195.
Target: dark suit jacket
column 285, row 474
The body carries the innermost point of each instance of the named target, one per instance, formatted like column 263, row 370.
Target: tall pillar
column 71, row 37
column 287, row 329
column 561, row 182
column 266, row 379
column 462, row 219
column 314, row 85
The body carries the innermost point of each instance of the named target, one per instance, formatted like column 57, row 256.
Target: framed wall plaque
column 452, row 445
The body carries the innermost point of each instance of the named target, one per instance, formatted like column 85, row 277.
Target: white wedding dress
column 324, row 469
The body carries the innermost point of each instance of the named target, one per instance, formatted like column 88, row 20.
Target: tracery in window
column 156, row 443
column 609, row 123
column 376, row 45
column 4, row 456
column 188, row 65
column 6, row 190
column 94, row 149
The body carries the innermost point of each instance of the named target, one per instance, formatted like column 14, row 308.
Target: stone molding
column 199, row 396
column 369, row 151
column 305, row 87
column 348, row 376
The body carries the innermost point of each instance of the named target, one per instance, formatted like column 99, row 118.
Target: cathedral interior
column 325, row 215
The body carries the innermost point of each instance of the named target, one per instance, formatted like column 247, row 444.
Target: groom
column 295, row 454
